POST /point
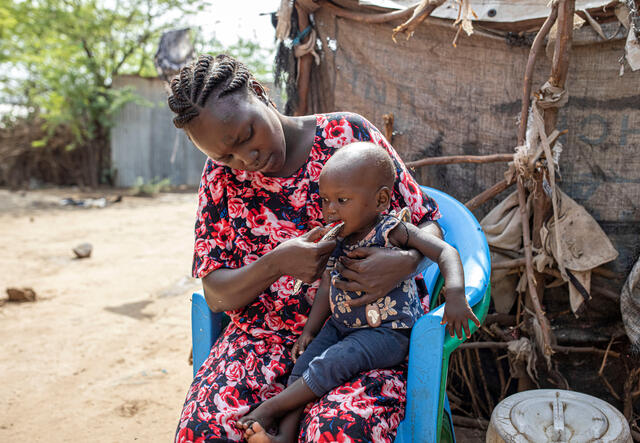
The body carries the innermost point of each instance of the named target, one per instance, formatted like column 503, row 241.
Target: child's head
column 227, row 114
column 356, row 185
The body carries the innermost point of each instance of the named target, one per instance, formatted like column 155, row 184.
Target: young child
column 361, row 333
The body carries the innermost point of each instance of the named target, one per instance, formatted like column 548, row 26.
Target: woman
column 258, row 222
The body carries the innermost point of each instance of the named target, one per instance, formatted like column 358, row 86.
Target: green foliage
column 151, row 188
column 58, row 58
column 256, row 57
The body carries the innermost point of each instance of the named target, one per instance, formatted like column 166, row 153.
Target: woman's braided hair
column 191, row 88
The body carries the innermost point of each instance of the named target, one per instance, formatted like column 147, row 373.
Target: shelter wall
column 465, row 100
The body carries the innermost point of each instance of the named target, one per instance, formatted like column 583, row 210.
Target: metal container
column 552, row 415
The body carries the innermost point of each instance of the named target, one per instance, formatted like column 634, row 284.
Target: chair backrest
column 462, row 231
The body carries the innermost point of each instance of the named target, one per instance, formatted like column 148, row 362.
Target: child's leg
column 271, row 409
column 362, row 350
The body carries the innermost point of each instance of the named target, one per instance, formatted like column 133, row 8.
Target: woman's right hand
column 302, row 257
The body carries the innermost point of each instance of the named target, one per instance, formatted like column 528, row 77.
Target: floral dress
column 241, row 216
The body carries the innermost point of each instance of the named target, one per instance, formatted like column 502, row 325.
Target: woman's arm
column 228, row 289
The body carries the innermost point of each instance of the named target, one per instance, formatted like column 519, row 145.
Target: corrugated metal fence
column 144, row 142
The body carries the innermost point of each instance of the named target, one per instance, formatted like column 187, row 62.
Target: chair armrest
column 429, row 355
column 206, row 327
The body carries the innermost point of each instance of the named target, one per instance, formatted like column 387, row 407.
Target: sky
column 230, row 19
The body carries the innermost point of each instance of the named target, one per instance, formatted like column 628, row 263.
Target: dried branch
column 545, row 327
column 424, row 10
column 488, row 194
column 508, row 264
column 451, row 159
column 465, row 422
column 528, row 73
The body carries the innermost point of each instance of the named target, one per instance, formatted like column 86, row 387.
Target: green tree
column 58, row 59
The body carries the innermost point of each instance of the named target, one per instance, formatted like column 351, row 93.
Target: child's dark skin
column 352, row 193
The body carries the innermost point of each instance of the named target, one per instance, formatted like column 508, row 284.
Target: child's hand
column 457, row 313
column 300, row 345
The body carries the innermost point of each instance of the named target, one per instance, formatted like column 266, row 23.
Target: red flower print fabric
column 241, row 216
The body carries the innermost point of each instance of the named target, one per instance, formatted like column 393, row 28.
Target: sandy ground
column 102, row 354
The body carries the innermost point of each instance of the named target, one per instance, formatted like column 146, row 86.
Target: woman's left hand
column 374, row 271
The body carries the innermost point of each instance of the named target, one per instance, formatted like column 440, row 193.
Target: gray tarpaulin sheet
column 489, row 10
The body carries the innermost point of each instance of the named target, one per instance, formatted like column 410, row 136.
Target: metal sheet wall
column 144, row 142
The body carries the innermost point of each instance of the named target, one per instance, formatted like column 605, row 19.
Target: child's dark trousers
column 339, row 352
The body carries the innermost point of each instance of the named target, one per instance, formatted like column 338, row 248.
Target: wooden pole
column 304, row 67
column 447, row 160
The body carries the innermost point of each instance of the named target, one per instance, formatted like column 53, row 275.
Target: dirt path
column 102, row 355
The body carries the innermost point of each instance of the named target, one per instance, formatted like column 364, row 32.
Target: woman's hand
column 457, row 313
column 300, row 345
column 302, row 257
column 374, row 271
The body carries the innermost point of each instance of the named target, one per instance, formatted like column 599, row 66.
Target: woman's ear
column 383, row 199
column 260, row 92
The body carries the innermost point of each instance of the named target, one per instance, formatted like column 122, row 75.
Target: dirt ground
column 102, row 354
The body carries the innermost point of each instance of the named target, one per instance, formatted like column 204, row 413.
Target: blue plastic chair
column 427, row 415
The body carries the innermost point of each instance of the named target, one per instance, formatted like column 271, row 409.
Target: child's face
column 351, row 199
column 241, row 132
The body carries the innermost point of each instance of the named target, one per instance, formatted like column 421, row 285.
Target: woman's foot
column 255, row 433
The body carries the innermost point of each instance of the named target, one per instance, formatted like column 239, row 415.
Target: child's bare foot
column 255, row 433
column 261, row 418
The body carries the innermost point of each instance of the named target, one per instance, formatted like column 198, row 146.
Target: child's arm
column 319, row 312
column 457, row 311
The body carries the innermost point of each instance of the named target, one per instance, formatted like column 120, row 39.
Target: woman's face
column 240, row 131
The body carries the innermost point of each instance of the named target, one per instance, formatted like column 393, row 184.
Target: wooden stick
column 488, row 194
column 503, row 382
column 508, row 264
column 610, row 388
column 388, row 126
column 604, row 359
column 560, row 63
column 555, row 348
column 506, row 388
column 472, row 376
column 531, row 282
column 483, row 379
column 484, row 345
column 304, row 69
column 507, row 252
column 501, row 319
column 528, row 73
column 584, row 350
column 419, row 14
column 465, row 422
column 451, row 159
column 470, row 387
column 628, row 385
